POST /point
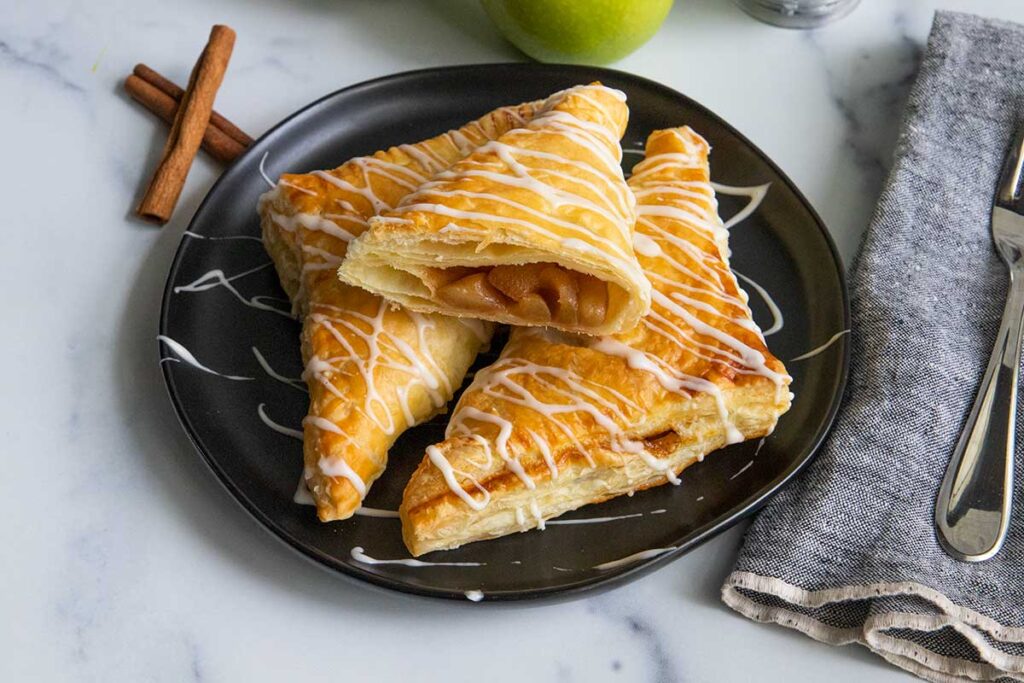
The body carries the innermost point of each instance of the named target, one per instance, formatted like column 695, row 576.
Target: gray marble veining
column 125, row 560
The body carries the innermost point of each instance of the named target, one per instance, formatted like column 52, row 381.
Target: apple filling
column 537, row 292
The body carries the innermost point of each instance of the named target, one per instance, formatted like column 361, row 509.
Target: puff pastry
column 534, row 228
column 560, row 420
column 373, row 369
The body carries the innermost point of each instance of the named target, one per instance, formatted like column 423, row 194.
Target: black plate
column 783, row 246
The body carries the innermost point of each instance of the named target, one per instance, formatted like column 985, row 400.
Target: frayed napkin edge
column 917, row 660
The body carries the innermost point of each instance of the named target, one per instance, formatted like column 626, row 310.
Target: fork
column 972, row 512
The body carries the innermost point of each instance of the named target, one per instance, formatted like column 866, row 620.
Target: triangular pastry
column 373, row 369
column 560, row 421
column 534, row 228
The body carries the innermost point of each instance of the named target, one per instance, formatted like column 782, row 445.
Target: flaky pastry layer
column 373, row 369
column 552, row 193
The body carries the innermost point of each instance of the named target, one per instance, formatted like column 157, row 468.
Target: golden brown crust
column 437, row 519
column 560, row 421
column 549, row 193
column 372, row 368
column 346, row 197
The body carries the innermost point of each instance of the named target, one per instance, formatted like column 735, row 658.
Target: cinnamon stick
column 216, row 141
column 165, row 85
column 188, row 128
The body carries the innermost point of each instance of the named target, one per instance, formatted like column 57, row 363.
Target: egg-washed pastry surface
column 373, row 369
column 534, row 228
column 560, row 420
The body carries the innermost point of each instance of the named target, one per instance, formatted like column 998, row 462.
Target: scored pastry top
column 534, row 228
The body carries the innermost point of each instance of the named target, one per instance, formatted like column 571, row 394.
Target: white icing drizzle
column 815, row 351
column 645, row 246
column 635, row 557
column 313, row 223
column 374, row 344
column 302, row 495
column 445, row 467
column 474, row 595
column 315, row 259
column 336, row 466
column 593, row 186
column 674, row 218
column 537, row 516
column 572, row 394
column 742, row 470
column 367, row 172
column 370, row 346
column 756, row 194
column 376, row 512
column 293, row 382
column 597, row 520
column 222, row 238
column 501, row 442
column 263, row 172
column 184, row 354
column 359, row 555
column 430, row 162
column 217, row 278
column 298, row 188
column 669, row 378
column 261, row 410
column 773, row 308
column 545, row 451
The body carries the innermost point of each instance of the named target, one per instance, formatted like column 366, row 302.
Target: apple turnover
column 373, row 369
column 561, row 420
column 534, row 228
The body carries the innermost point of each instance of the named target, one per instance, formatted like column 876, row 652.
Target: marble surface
column 124, row 559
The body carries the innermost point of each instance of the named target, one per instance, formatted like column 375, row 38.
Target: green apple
column 578, row 31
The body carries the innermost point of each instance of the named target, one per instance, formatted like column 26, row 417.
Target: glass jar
column 797, row 13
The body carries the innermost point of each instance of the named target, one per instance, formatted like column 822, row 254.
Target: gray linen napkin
column 848, row 553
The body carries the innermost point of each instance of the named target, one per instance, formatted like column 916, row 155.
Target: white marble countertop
column 124, row 559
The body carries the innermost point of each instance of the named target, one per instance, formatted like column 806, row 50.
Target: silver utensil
column 973, row 508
